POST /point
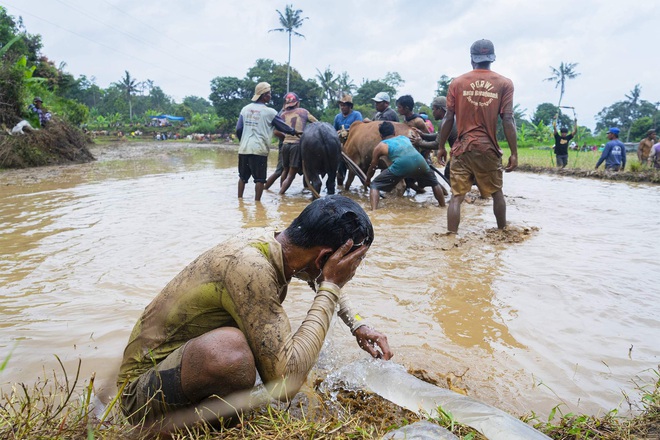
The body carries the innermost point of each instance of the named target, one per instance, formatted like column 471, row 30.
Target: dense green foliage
column 25, row 72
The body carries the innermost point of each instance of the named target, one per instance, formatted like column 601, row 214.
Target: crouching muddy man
column 406, row 161
column 221, row 319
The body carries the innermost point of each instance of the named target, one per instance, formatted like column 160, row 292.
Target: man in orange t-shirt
column 477, row 99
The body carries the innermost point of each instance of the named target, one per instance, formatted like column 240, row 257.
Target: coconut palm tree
column 128, row 85
column 290, row 21
column 328, row 82
column 559, row 76
column 346, row 84
column 633, row 107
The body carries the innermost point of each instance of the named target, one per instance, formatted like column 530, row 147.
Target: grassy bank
column 62, row 408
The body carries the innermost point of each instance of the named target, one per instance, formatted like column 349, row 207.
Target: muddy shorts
column 474, row 166
column 251, row 165
column 156, row 392
column 291, row 157
column 387, row 181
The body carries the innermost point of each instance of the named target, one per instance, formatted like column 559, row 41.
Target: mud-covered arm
column 427, row 141
column 348, row 314
column 283, row 358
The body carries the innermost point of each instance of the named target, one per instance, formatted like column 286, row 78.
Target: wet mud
column 644, row 175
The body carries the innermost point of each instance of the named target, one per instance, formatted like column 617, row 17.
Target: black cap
column 482, row 51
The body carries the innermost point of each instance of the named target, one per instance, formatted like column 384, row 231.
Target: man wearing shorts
column 406, row 161
column 296, row 117
column 255, row 130
column 477, row 99
column 221, row 319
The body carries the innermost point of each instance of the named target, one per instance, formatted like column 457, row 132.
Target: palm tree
column 633, row 107
column 559, row 76
column 328, row 82
column 345, row 84
column 290, row 20
column 128, row 86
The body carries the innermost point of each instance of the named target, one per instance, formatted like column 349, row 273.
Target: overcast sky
column 181, row 45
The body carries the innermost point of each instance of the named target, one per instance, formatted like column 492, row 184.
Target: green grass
column 60, row 408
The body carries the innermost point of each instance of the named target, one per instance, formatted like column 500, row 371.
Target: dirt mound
column 643, row 175
column 58, row 143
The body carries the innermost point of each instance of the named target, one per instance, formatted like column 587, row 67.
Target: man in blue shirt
column 406, row 162
column 347, row 116
column 614, row 154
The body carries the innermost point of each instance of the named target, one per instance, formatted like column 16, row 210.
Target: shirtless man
column 221, row 319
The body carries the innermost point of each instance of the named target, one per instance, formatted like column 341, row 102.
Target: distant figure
column 614, row 153
column 561, row 142
column 255, row 130
column 38, row 108
column 478, row 98
column 431, row 141
column 654, row 156
column 406, row 162
column 427, row 121
column 645, row 146
column 296, row 117
column 383, row 110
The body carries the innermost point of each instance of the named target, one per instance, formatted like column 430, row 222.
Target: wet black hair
column 563, row 130
column 386, row 129
column 406, row 101
column 331, row 221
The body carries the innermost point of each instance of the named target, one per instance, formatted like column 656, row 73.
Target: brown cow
column 362, row 139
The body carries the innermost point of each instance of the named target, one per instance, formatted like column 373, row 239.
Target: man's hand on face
column 341, row 266
column 373, row 342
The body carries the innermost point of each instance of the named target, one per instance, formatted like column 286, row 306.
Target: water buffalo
column 362, row 139
column 320, row 149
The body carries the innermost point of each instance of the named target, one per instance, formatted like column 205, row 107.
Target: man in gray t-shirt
column 383, row 110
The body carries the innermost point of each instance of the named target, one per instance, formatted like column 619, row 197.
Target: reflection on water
column 84, row 248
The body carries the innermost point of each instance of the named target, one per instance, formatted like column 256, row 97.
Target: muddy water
column 562, row 308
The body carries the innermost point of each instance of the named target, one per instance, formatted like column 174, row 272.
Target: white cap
column 380, row 97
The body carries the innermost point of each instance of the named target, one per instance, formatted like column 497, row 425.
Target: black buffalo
column 321, row 152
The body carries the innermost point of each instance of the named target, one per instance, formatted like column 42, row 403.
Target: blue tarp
column 170, row 117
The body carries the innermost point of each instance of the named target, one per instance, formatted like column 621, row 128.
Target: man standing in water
column 298, row 118
column 221, row 320
column 614, row 153
column 255, row 130
column 477, row 99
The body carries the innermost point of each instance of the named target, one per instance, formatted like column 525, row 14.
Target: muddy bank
column 645, row 175
column 57, row 144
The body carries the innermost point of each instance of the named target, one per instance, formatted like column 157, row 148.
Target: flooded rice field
column 561, row 308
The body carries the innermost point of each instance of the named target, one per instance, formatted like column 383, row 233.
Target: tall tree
column 560, row 75
column 633, row 104
column 128, row 86
column 328, row 82
column 345, row 85
column 290, row 21
column 443, row 85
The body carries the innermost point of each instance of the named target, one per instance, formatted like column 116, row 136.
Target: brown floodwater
column 560, row 309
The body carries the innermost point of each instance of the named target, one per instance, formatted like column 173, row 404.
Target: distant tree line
column 25, row 72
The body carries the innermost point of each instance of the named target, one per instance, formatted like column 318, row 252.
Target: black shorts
column 386, row 181
column 251, row 165
column 291, row 157
column 156, row 391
